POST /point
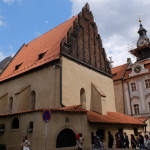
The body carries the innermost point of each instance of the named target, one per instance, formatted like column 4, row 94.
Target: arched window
column 10, row 104
column 83, row 98
column 33, row 100
column 66, row 138
column 15, row 123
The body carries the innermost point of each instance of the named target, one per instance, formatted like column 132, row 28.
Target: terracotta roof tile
column 29, row 53
column 119, row 71
column 142, row 119
column 75, row 109
column 112, row 118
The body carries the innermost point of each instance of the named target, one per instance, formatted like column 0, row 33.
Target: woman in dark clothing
column 118, row 141
column 110, row 140
column 133, row 142
column 93, row 139
column 126, row 140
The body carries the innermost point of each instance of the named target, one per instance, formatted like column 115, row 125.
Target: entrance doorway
column 66, row 138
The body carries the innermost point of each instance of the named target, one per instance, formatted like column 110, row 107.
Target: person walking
column 80, row 142
column 93, row 139
column 133, row 142
column 26, row 144
column 146, row 142
column 141, row 141
column 110, row 140
column 126, row 140
column 118, row 141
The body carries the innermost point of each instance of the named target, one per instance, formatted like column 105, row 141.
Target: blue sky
column 23, row 20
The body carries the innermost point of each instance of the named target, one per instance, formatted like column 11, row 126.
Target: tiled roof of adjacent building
column 112, row 118
column 119, row 71
column 142, row 119
column 75, row 108
column 4, row 62
column 40, row 51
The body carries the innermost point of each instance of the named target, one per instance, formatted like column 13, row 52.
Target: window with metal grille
column 66, row 138
column 147, row 83
column 136, row 109
column 133, row 86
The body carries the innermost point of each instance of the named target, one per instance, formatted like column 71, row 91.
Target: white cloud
column 117, row 22
column 2, row 23
column 12, row 1
column 46, row 22
column 36, row 34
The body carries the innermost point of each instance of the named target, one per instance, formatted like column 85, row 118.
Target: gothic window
column 147, row 83
column 133, row 86
column 66, row 138
column 136, row 109
column 33, row 100
column 83, row 98
column 10, row 104
column 15, row 123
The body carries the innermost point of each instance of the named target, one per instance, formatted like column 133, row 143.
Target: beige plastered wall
column 76, row 76
column 77, row 123
column 119, row 97
column 13, row 137
column 45, row 82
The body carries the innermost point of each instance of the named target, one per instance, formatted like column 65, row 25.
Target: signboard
column 46, row 115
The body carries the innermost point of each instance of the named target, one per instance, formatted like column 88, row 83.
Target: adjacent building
column 132, row 80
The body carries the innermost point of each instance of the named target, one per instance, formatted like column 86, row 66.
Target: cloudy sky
column 23, row 20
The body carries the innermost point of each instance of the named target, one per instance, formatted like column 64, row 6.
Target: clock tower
column 143, row 45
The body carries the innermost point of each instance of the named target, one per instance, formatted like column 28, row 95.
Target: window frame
column 133, row 86
column 147, row 83
column 136, row 109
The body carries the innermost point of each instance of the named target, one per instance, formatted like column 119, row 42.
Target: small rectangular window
column 41, row 55
column 133, row 86
column 136, row 109
column 2, row 128
column 147, row 83
column 30, row 128
column 18, row 66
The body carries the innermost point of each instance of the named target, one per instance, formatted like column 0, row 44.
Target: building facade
column 133, row 80
column 66, row 72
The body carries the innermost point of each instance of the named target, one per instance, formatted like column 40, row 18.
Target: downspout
column 60, row 77
column 129, row 98
column 61, row 103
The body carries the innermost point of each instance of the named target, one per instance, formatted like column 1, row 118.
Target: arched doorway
column 66, row 138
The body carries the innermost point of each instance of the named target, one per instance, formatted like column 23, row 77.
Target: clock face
column 142, row 42
column 137, row 69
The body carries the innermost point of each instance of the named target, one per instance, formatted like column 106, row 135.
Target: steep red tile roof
column 48, row 43
column 75, row 109
column 119, row 71
column 112, row 118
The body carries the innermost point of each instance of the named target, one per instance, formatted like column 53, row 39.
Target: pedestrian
column 110, row 140
column 141, row 141
column 118, row 141
column 80, row 142
column 146, row 142
column 93, row 140
column 22, row 143
column 120, row 134
column 26, row 143
column 133, row 142
column 98, row 142
column 126, row 140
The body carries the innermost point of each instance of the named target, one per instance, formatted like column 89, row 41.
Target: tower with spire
column 143, row 44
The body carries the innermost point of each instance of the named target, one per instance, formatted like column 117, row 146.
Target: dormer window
column 18, row 66
column 41, row 55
